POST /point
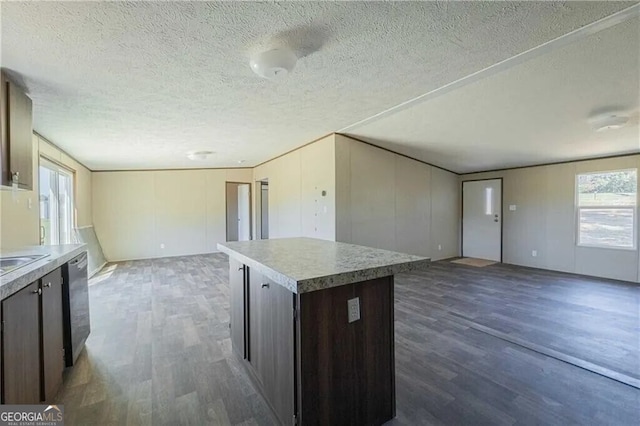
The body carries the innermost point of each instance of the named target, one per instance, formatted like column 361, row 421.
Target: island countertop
column 56, row 256
column 306, row 264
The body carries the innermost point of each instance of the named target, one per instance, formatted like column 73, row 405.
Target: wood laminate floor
column 472, row 347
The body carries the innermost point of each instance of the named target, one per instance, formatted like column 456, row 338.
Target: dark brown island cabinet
column 33, row 340
column 324, row 353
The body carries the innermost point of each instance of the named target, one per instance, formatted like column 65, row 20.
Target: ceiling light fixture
column 273, row 64
column 199, row 155
column 608, row 121
column 241, row 161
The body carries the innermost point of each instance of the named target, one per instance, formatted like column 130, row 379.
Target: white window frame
column 579, row 208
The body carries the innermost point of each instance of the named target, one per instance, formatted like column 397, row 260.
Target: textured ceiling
column 533, row 113
column 138, row 85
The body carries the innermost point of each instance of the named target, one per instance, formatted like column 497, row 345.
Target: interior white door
column 482, row 219
column 244, row 215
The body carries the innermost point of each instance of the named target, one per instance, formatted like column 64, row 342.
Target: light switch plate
column 512, row 207
column 353, row 307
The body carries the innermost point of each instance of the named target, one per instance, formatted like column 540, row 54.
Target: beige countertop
column 306, row 264
column 56, row 256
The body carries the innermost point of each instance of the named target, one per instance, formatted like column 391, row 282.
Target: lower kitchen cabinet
column 52, row 334
column 21, row 346
column 238, row 285
column 33, row 342
column 271, row 352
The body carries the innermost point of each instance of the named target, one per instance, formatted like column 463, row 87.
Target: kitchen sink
column 11, row 263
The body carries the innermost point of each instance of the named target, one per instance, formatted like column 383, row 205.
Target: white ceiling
column 138, row 85
column 533, row 113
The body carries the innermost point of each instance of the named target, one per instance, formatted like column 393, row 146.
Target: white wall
column 296, row 181
column 388, row 201
column 545, row 220
column 135, row 212
column 19, row 223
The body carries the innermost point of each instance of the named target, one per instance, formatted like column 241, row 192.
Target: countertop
column 306, row 264
column 18, row 279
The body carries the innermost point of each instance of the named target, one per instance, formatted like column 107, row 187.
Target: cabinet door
column 20, row 135
column 272, row 343
column 21, row 346
column 256, row 330
column 237, row 301
column 52, row 334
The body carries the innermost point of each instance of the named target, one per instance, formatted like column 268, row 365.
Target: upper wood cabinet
column 16, row 121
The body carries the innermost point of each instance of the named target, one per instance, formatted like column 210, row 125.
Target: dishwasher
column 75, row 307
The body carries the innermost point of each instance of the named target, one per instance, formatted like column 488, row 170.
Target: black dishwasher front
column 76, row 307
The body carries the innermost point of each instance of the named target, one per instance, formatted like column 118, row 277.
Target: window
column 56, row 203
column 607, row 209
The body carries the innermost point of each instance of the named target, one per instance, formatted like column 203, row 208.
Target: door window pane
column 49, row 224
column 56, row 204
column 488, row 201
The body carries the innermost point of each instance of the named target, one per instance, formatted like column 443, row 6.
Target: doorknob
column 265, row 285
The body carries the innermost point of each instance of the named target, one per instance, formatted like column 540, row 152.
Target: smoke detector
column 608, row 121
column 199, row 155
column 273, row 64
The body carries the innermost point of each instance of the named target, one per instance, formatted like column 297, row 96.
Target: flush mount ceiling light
column 273, row 64
column 608, row 121
column 199, row 155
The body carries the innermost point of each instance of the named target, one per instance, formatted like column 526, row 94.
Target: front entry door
column 482, row 219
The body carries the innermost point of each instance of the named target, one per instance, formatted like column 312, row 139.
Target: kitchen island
column 312, row 322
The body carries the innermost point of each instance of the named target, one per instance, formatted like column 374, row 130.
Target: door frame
column 501, row 179
column 226, row 209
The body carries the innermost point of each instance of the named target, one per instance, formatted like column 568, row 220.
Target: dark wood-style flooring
column 493, row 345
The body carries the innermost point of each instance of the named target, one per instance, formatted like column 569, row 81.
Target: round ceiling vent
column 608, row 121
column 273, row 64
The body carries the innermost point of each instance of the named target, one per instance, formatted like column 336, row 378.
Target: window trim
column 578, row 209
